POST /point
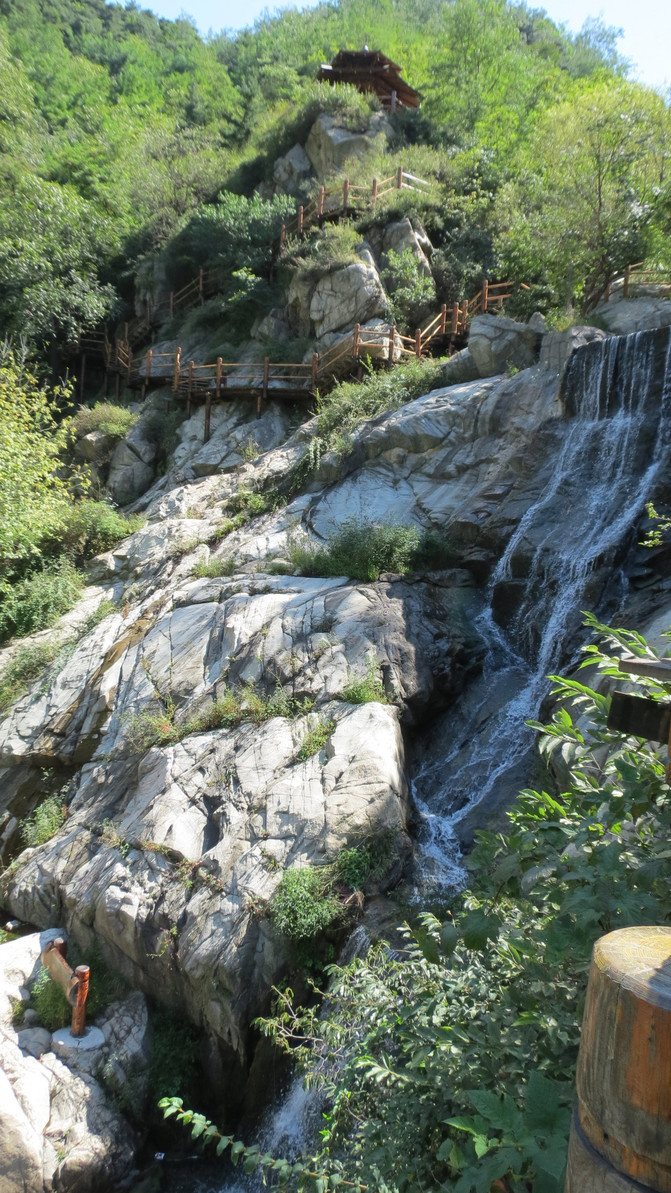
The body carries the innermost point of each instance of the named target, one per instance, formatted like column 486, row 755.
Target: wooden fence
column 636, row 275
column 288, row 380
column 336, row 202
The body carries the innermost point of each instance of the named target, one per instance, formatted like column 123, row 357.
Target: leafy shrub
column 106, row 417
column 174, row 1057
column 353, row 867
column 229, row 709
column 92, row 527
column 28, row 663
column 363, row 550
column 332, row 247
column 411, row 293
column 302, row 906
column 44, row 822
column 234, row 233
column 37, row 601
column 352, row 403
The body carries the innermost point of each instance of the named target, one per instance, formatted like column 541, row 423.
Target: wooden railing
column 330, row 203
column 287, row 379
column 637, row 275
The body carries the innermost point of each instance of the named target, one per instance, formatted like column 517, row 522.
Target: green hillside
column 116, row 126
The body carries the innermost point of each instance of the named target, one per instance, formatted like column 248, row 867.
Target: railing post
column 355, row 342
column 443, row 319
column 129, row 364
column 374, row 191
column 147, row 374
column 485, row 295
column 264, row 393
column 418, row 342
column 606, row 293
column 399, row 178
column 300, row 221
column 392, row 106
column 627, row 280
column 315, row 370
column 200, row 286
column 320, row 206
column 78, row 1028
column 178, row 365
column 208, row 413
column 172, row 303
column 218, row 379
column 345, row 196
column 392, row 341
column 283, row 235
column 192, row 366
column 464, row 315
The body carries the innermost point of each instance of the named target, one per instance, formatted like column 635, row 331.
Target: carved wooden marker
column 621, row 1131
column 75, row 985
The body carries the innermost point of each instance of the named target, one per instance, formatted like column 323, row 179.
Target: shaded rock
column 635, row 314
column 459, row 368
column 352, row 294
column 292, row 172
column 95, row 447
column 34, row 1040
column 400, row 236
column 557, row 347
column 496, row 342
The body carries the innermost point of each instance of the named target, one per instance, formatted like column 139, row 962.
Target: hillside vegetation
column 116, row 127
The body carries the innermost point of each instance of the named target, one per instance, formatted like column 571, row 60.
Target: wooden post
column 464, row 315
column 264, row 392
column 399, row 178
column 82, row 375
column 217, row 382
column 485, row 295
column 627, row 280
column 78, row 1028
column 147, row 374
column 300, row 221
column 178, row 367
column 283, row 235
column 320, row 206
column 392, row 342
column 606, row 293
column 129, row 363
column 172, row 302
column 208, row 414
column 192, row 366
column 315, row 371
column 357, row 337
column 345, row 196
column 418, row 342
column 392, row 106
column 455, row 322
column 443, row 319
column 117, row 376
column 620, row 1136
column 374, row 191
column 200, row 286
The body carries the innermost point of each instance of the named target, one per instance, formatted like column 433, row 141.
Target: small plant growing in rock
column 250, row 450
column 315, row 739
column 367, row 690
column 221, row 566
column 303, row 905
column 44, row 822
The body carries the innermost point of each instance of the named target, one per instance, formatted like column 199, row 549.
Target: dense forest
column 116, row 127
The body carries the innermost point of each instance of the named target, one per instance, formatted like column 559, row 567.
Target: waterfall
column 567, row 549
column 564, row 556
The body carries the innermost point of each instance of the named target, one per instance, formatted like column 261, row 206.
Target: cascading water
column 562, row 558
column 566, row 551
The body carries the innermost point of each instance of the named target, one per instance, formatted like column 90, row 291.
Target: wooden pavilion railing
column 636, row 275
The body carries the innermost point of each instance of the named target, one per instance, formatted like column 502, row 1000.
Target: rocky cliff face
column 180, row 822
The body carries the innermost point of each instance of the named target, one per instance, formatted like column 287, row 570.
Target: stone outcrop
column 557, row 347
column 624, row 316
column 57, row 1127
column 401, row 236
column 497, row 343
column 352, row 294
column 329, row 146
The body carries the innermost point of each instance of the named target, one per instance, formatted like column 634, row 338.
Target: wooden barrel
column 621, row 1134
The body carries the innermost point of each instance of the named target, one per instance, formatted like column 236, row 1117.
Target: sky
column 646, row 24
